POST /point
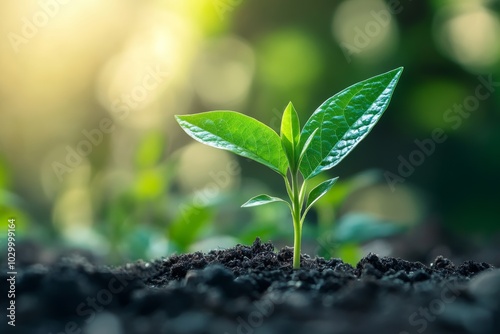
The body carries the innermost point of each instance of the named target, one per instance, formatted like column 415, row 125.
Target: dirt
column 253, row 289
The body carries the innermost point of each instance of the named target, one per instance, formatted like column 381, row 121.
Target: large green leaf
column 238, row 133
column 290, row 134
column 344, row 120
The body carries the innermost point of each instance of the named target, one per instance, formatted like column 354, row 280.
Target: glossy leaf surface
column 238, row 133
column 344, row 120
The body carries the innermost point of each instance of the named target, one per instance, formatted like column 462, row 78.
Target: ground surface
column 252, row 289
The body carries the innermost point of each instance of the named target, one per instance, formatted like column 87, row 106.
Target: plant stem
column 297, row 236
column 297, row 224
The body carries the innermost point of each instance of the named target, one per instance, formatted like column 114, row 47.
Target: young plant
column 331, row 132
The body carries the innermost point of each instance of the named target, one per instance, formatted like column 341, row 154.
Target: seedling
column 331, row 132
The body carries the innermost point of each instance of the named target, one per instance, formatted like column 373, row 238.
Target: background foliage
column 91, row 156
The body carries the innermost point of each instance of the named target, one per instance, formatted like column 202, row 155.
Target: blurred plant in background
column 90, row 155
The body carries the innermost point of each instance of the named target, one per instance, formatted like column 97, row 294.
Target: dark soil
column 252, row 289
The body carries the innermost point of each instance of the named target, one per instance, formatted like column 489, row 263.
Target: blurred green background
column 91, row 157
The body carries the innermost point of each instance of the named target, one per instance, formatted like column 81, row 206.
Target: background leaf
column 361, row 227
column 239, row 134
column 188, row 225
column 344, row 120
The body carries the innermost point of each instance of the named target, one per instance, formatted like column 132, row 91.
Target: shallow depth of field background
column 92, row 159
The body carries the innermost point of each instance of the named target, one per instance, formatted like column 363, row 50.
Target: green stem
column 297, row 226
column 297, row 236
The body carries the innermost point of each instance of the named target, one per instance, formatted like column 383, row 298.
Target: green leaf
column 361, row 227
column 344, row 120
column 306, row 145
column 188, row 225
column 150, row 150
column 320, row 190
column 261, row 200
column 290, row 134
column 237, row 133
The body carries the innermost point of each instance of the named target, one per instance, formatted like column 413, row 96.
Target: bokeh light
column 223, row 72
column 468, row 34
column 366, row 29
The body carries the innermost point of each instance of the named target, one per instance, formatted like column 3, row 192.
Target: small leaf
column 306, row 145
column 290, row 133
column 237, row 133
column 344, row 120
column 261, row 200
column 319, row 191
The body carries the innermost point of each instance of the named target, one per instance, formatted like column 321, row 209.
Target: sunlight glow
column 212, row 168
